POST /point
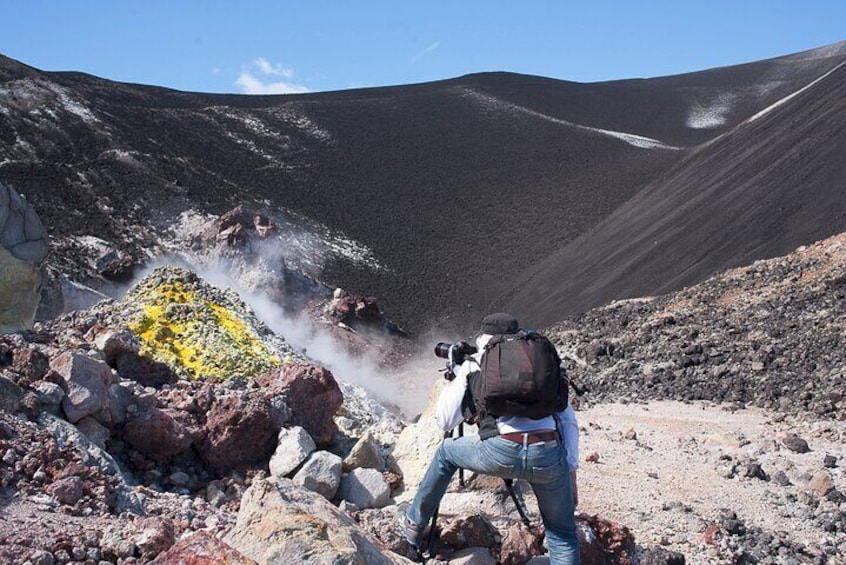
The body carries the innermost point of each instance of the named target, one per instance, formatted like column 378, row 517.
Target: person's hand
column 575, row 489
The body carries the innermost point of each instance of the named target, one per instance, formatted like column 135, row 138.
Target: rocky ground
column 718, row 484
column 712, row 433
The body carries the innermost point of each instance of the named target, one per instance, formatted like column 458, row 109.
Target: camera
column 455, row 353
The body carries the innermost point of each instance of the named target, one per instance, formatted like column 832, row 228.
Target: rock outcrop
column 772, row 334
column 23, row 248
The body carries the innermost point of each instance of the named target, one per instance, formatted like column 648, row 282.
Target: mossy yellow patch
column 196, row 337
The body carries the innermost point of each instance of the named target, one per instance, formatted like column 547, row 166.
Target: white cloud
column 259, row 78
column 277, row 70
column 426, row 51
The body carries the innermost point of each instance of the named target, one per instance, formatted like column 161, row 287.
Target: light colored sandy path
column 666, row 484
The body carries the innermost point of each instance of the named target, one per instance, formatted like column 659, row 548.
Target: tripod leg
column 509, row 486
column 461, row 471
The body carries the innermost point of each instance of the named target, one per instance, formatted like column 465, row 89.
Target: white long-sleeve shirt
column 448, row 410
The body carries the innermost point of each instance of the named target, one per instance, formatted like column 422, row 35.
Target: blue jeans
column 543, row 465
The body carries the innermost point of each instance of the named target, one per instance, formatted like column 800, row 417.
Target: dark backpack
column 520, row 375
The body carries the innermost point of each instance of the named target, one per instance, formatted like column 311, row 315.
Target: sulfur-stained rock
column 365, row 454
column 198, row 330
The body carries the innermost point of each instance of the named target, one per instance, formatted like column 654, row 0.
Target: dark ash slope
column 458, row 187
column 759, row 191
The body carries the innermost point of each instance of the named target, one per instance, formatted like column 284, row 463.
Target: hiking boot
column 411, row 531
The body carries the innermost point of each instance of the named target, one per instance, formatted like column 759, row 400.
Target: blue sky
column 317, row 45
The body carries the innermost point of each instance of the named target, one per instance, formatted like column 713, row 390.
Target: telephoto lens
column 442, row 350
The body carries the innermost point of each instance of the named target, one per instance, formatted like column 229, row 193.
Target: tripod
column 509, row 486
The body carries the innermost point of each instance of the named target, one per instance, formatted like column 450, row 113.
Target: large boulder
column 23, row 247
column 417, row 444
column 86, row 383
column 241, row 428
column 280, row 522
column 311, row 393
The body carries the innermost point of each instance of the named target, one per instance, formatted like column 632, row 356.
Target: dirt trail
column 670, row 482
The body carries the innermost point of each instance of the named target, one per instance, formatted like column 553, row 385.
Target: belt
column 531, row 437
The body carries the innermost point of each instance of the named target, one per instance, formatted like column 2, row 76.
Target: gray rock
column 86, row 384
column 476, row 556
column 295, row 445
column 51, row 394
column 321, row 473
column 94, row 431
column 41, row 557
column 796, row 444
column 120, row 398
column 179, row 479
column 115, row 544
column 365, row 454
column 10, row 395
column 366, row 488
column 780, row 478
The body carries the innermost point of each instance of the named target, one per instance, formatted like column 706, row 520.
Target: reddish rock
column 610, row 542
column 201, row 548
column 713, row 534
column 519, row 544
column 154, row 535
column 31, row 364
column 235, row 227
column 354, row 310
column 472, row 531
column 312, row 394
column 67, row 491
column 241, row 428
column 156, row 434
column 821, row 483
column 144, row 370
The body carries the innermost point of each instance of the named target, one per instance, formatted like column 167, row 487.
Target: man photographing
column 514, row 389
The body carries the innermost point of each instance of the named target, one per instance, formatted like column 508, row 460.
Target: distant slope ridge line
column 635, row 140
column 774, row 105
column 789, row 97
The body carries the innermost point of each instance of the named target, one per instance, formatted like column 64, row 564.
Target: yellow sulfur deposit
column 187, row 325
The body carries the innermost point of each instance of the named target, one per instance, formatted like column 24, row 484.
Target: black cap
column 499, row 323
